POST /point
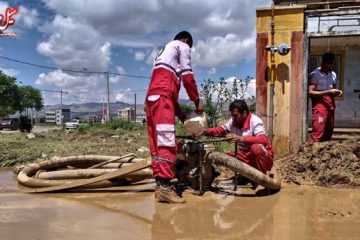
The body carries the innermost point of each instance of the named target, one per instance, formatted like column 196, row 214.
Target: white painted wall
column 347, row 113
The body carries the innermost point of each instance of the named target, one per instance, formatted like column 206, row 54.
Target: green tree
column 8, row 94
column 207, row 91
column 29, row 98
column 235, row 90
column 185, row 108
column 17, row 98
column 239, row 88
column 223, row 95
column 244, row 83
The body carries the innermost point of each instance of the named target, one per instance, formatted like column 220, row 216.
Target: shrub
column 25, row 124
column 113, row 125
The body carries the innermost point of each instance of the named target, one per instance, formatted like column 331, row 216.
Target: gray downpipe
column 245, row 170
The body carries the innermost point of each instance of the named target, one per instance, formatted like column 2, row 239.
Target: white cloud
column 212, row 71
column 152, row 55
column 223, row 51
column 251, row 89
column 75, row 45
column 27, row 17
column 78, row 86
column 155, row 22
column 139, row 56
column 10, row 72
column 117, row 78
column 64, row 80
column 82, row 35
column 125, row 96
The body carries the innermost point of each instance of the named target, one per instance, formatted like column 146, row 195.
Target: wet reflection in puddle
column 132, row 213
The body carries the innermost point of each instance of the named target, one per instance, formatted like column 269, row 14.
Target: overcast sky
column 122, row 36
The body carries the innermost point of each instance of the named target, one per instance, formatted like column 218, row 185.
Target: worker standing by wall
column 322, row 90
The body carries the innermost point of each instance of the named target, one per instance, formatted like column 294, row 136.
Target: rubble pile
column 328, row 164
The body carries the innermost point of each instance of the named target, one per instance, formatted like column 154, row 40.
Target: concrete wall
column 287, row 74
column 348, row 109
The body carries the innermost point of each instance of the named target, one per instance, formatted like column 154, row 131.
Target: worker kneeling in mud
column 248, row 131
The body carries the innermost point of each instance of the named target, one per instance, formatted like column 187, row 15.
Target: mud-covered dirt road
column 293, row 213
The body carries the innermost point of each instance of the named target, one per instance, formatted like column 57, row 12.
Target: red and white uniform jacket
column 253, row 131
column 323, row 81
column 172, row 65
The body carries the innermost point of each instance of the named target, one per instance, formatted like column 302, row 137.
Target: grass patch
column 112, row 139
column 113, row 125
column 116, row 138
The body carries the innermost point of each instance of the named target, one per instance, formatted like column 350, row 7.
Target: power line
column 71, row 70
column 46, row 90
column 84, row 71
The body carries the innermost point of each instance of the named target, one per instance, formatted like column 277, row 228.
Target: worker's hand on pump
column 199, row 108
column 233, row 138
column 203, row 133
column 198, row 135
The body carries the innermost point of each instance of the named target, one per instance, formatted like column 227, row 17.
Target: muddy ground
column 296, row 212
column 131, row 212
column 327, row 164
column 330, row 164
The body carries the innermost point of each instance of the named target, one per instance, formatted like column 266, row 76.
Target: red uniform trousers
column 161, row 136
column 323, row 124
column 257, row 157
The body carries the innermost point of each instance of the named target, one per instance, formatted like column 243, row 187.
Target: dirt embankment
column 328, row 164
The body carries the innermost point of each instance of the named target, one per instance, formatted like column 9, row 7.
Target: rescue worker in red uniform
column 322, row 90
column 171, row 66
column 248, row 131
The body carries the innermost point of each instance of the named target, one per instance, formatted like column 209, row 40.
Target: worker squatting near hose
column 248, row 131
column 322, row 90
column 172, row 65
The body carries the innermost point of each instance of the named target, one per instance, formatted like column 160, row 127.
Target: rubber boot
column 167, row 193
column 157, row 188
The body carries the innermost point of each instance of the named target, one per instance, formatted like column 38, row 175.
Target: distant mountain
column 94, row 107
column 186, row 102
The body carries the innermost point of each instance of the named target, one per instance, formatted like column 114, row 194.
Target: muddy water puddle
column 132, row 213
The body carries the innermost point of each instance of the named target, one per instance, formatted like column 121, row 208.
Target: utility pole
column 108, row 97
column 135, row 107
column 61, row 102
column 61, row 93
column 103, row 111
